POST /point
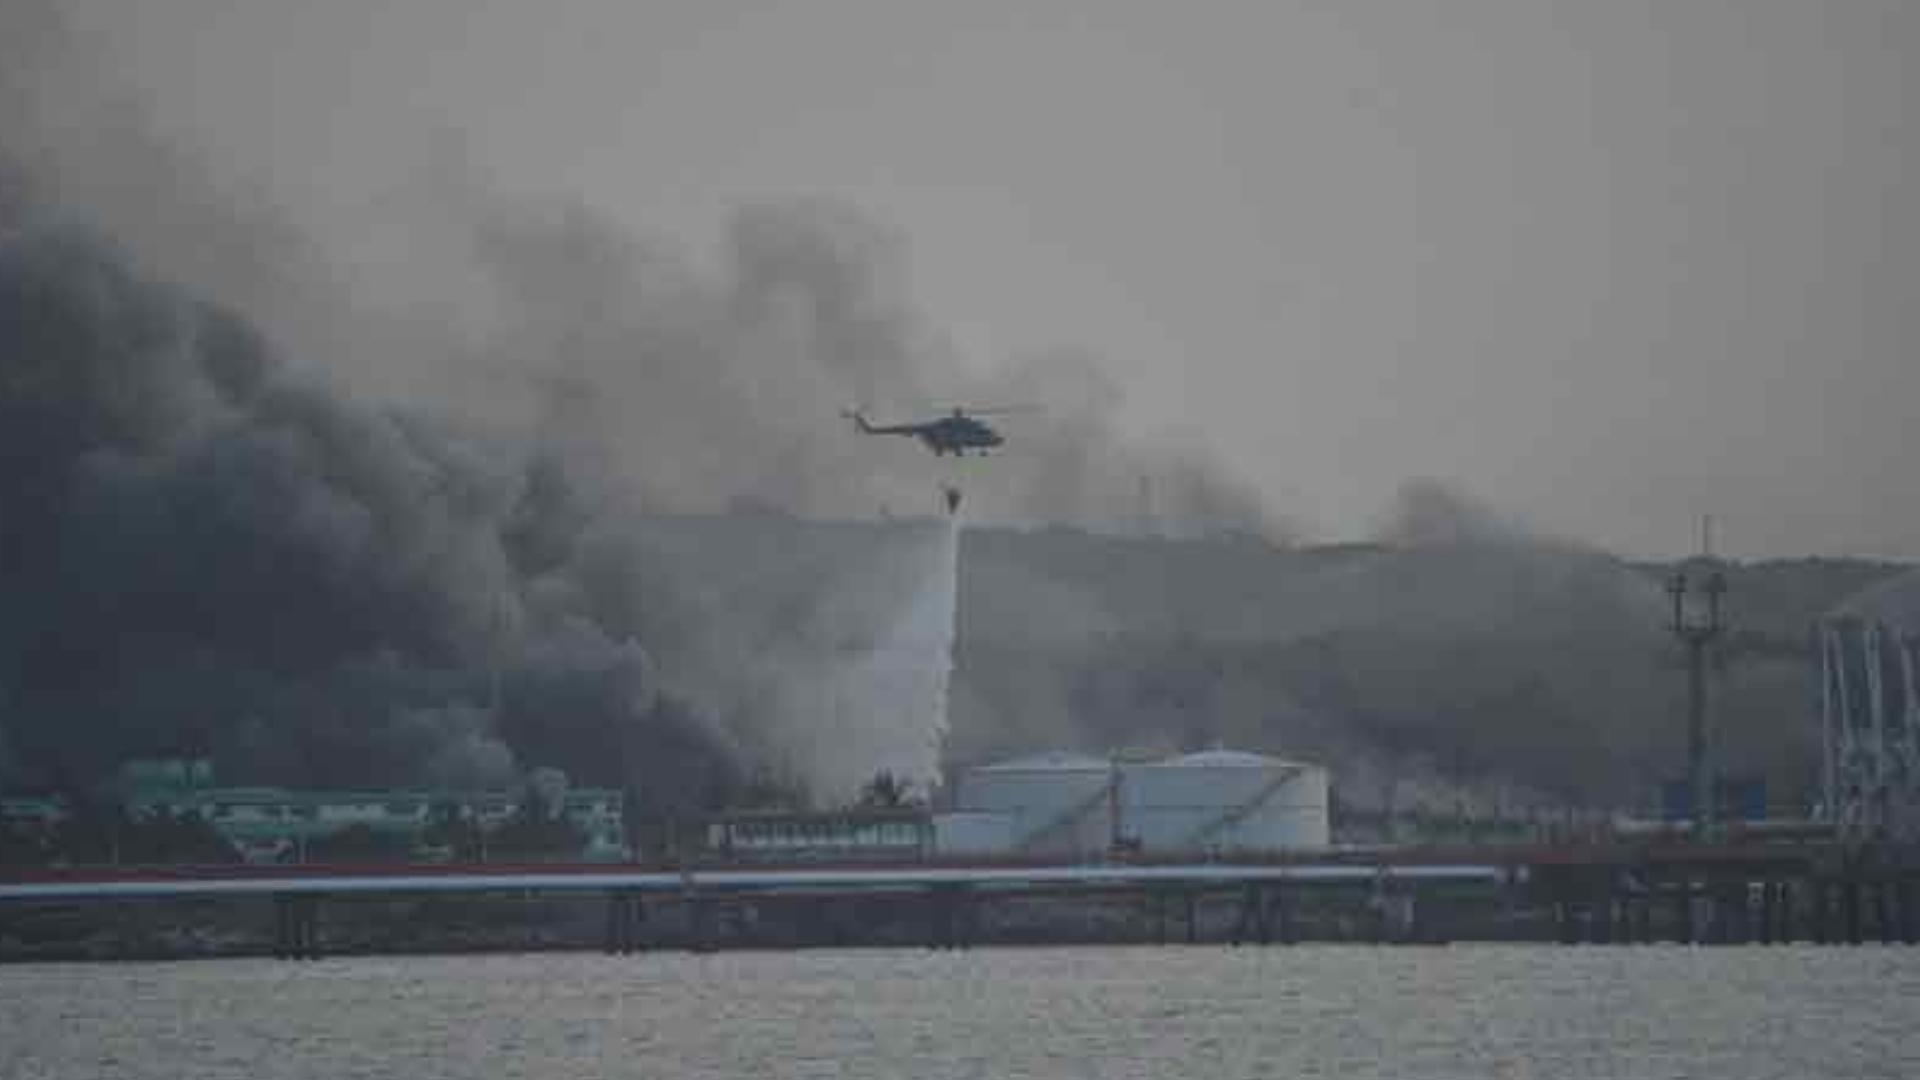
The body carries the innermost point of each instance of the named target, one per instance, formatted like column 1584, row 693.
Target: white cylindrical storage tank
column 1056, row 803
column 1224, row 801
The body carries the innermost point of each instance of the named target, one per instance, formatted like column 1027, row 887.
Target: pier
column 1597, row 894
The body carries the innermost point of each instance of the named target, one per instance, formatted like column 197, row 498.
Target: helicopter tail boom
column 867, row 427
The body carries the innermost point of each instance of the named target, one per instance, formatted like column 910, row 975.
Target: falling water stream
column 916, row 659
column 870, row 694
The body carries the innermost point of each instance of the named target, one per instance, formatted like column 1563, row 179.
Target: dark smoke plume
column 206, row 549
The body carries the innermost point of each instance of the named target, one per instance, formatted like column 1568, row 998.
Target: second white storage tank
column 1223, row 801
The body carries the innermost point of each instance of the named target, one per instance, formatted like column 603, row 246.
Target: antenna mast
column 1697, row 626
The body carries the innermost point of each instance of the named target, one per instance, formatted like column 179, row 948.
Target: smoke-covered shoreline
column 210, row 549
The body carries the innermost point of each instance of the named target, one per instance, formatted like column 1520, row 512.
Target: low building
column 32, row 812
column 856, row 835
column 148, row 779
column 279, row 824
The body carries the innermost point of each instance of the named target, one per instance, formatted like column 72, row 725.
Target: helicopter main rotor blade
column 1005, row 410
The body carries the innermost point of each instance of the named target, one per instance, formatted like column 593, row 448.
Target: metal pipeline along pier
column 1603, row 893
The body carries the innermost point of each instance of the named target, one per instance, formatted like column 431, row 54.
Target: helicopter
column 956, row 433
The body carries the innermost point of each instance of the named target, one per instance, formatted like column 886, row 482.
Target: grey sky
column 1607, row 265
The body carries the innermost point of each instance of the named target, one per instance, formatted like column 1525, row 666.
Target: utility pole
column 1697, row 630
